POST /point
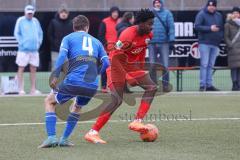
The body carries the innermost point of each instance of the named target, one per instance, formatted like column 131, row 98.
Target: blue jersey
column 83, row 53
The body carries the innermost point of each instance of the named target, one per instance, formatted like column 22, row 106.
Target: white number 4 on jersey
column 87, row 45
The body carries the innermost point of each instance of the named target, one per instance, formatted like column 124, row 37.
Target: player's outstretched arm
column 103, row 58
column 105, row 64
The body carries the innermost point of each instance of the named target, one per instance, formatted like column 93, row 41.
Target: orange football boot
column 94, row 138
column 138, row 126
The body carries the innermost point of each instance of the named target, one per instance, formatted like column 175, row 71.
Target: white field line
column 119, row 121
column 34, row 124
column 188, row 93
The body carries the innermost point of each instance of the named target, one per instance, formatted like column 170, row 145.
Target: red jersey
column 130, row 48
column 132, row 44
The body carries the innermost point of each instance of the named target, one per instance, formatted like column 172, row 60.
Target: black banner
column 186, row 48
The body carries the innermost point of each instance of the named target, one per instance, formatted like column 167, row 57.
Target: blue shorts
column 66, row 92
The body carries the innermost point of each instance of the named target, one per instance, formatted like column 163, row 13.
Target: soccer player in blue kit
column 83, row 52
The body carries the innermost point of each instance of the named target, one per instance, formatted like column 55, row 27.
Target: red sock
column 101, row 121
column 142, row 110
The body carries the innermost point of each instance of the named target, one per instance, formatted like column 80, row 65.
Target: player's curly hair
column 143, row 15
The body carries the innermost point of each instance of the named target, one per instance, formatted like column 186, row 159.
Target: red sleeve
column 125, row 40
column 126, row 35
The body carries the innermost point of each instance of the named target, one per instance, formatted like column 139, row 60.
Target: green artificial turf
column 199, row 137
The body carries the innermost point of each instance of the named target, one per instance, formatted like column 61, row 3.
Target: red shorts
column 129, row 77
column 122, row 71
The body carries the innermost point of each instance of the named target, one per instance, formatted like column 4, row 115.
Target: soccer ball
column 151, row 135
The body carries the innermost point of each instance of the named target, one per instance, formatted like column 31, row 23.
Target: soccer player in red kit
column 127, row 62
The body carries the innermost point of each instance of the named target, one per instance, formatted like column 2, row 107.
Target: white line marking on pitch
column 117, row 121
column 184, row 93
column 33, row 124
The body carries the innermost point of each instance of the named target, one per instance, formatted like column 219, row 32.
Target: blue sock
column 71, row 123
column 50, row 120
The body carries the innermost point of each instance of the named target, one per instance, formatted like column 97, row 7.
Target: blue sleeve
column 101, row 52
column 40, row 33
column 199, row 24
column 103, row 58
column 61, row 57
column 105, row 65
column 17, row 31
column 171, row 27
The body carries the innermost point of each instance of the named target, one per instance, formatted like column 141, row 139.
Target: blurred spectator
column 126, row 21
column 232, row 39
column 29, row 35
column 108, row 34
column 59, row 27
column 163, row 38
column 209, row 24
